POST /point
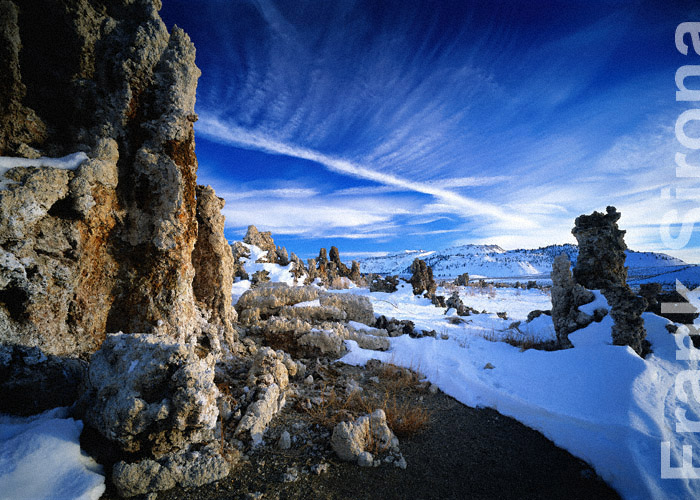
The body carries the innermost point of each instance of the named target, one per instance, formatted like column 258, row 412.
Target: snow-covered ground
column 40, row 458
column 602, row 403
column 492, row 262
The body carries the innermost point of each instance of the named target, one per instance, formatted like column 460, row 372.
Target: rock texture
column 422, row 278
column 567, row 297
column 601, row 250
column 213, row 263
column 270, row 376
column 601, row 265
column 155, row 399
column 107, row 247
column 360, row 440
column 150, row 394
column 308, row 321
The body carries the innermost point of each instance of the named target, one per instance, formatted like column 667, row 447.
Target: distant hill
column 491, row 261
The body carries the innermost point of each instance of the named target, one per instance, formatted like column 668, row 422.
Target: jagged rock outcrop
column 601, row 250
column 455, row 302
column 601, row 265
column 462, row 279
column 108, row 246
column 329, row 268
column 308, row 321
column 31, row 382
column 239, row 251
column 155, row 399
column 262, row 240
column 355, row 274
column 422, row 278
column 213, row 263
column 269, row 375
column 388, row 284
column 367, row 436
column 567, row 297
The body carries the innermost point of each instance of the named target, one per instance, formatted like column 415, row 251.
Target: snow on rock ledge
column 68, row 162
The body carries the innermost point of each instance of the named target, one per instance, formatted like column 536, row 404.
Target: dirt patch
column 461, row 453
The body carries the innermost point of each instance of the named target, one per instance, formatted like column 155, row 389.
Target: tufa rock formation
column 330, row 269
column 357, row 441
column 601, row 265
column 601, row 250
column 212, row 284
column 155, row 401
column 106, row 247
column 567, row 297
column 422, row 278
column 462, row 280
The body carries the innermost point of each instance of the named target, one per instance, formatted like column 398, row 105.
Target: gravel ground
column 462, row 453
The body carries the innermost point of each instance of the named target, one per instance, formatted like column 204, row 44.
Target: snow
column 599, row 302
column 277, row 273
column 601, row 402
column 494, row 263
column 309, row 303
column 40, row 458
column 69, row 162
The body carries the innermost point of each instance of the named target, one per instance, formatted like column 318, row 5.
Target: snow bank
column 69, row 162
column 600, row 402
column 40, row 458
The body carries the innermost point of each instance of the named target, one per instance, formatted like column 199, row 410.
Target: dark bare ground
column 463, row 453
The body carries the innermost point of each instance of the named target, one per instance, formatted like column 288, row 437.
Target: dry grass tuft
column 405, row 418
column 405, row 414
column 523, row 341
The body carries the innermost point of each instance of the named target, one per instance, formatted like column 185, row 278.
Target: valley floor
column 612, row 412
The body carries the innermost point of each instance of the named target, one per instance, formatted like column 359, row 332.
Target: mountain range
column 491, row 261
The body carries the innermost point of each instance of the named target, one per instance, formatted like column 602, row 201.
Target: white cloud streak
column 215, row 130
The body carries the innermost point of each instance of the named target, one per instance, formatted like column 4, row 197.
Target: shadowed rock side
column 212, row 283
column 567, row 297
column 601, row 250
column 422, row 278
column 108, row 246
column 601, row 265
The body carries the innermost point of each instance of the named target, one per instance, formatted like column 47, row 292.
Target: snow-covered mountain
column 491, row 261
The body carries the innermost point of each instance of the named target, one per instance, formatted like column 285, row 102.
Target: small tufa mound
column 367, row 436
column 388, row 284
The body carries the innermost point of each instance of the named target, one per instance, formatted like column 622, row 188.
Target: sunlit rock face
column 107, row 246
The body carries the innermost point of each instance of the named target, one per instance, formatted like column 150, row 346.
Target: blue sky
column 382, row 126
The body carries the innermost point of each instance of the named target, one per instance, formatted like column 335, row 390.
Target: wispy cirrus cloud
column 502, row 121
column 215, row 130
